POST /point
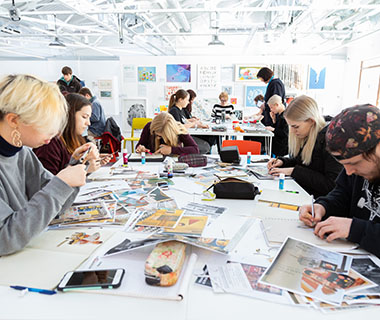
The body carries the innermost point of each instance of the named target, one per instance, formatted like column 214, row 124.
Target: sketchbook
column 44, row 261
column 278, row 224
column 136, row 157
column 134, row 285
column 283, row 197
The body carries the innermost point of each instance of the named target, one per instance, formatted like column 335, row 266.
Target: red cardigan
column 54, row 155
column 187, row 143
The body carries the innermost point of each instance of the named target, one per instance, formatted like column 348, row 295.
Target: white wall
column 330, row 99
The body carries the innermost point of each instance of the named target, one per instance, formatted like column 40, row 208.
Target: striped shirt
column 217, row 110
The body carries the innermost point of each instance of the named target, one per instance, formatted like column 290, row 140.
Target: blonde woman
column 311, row 166
column 166, row 136
column 32, row 112
column 218, row 109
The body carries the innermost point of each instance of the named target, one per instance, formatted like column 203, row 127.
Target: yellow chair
column 137, row 124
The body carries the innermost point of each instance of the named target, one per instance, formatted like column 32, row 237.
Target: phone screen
column 96, row 278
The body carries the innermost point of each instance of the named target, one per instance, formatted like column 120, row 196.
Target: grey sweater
column 30, row 197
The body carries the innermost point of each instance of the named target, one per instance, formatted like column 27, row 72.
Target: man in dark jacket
column 68, row 82
column 352, row 209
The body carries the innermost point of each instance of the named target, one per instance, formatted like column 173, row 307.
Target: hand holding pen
column 274, row 163
column 311, row 215
column 140, row 148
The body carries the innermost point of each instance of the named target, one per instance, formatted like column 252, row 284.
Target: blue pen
column 42, row 291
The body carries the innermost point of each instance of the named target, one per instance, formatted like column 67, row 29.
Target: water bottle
column 281, row 181
column 125, row 158
column 142, row 157
column 169, row 169
column 248, row 157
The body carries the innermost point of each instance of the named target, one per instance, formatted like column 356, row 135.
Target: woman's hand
column 74, row 176
column 93, row 165
column 105, row 158
column 277, row 171
column 274, row 163
column 141, row 148
column 269, row 128
column 273, row 116
column 164, row 149
column 94, row 153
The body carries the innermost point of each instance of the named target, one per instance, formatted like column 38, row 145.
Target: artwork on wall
column 208, row 76
column 133, row 108
column 169, row 90
column 246, row 73
column 105, row 89
column 146, row 74
column 129, row 73
column 251, row 92
column 227, row 89
column 317, row 77
column 233, row 101
column 293, row 76
column 178, row 73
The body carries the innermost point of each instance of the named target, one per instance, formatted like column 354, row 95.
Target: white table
column 199, row 303
column 260, row 132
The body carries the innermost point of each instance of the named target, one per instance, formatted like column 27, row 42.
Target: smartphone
column 84, row 155
column 92, row 279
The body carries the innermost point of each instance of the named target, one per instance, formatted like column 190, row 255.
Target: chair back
column 139, row 124
column 244, row 146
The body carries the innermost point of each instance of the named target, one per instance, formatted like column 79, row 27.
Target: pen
column 312, row 206
column 42, row 291
column 291, row 191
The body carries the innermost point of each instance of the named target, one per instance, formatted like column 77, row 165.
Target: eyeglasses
column 223, row 100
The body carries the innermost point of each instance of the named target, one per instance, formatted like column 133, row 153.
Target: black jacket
column 318, row 178
column 275, row 86
column 353, row 197
column 177, row 114
column 72, row 87
column 280, row 139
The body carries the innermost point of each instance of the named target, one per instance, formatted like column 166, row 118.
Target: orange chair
column 244, row 146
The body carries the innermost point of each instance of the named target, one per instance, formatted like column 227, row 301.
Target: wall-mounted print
column 105, row 89
column 250, row 94
column 227, row 89
column 178, row 73
column 208, row 76
column 146, row 74
column 169, row 90
column 317, row 77
column 133, row 108
column 246, row 73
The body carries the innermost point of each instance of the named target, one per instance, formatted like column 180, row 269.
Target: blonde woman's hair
column 35, row 101
column 223, row 95
column 304, row 108
column 275, row 99
column 165, row 125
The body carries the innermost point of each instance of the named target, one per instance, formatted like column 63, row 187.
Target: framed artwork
column 246, row 73
column 178, row 73
column 227, row 89
column 208, row 76
column 169, row 90
column 250, row 94
column 317, row 78
column 133, row 108
column 105, row 89
column 146, row 74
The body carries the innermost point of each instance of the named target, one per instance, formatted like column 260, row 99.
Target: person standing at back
column 274, row 86
column 98, row 118
column 68, row 83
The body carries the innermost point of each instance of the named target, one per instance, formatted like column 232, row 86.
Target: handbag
column 233, row 188
column 193, row 160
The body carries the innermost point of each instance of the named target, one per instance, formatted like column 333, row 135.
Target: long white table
column 260, row 132
column 199, row 302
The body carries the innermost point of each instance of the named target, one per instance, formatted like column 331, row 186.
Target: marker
column 312, row 210
column 291, row 191
column 42, row 291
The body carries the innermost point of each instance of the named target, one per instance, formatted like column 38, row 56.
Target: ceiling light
column 56, row 43
column 215, row 41
column 14, row 12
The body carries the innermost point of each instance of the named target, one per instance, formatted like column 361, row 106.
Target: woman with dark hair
column 274, row 86
column 189, row 108
column 177, row 103
column 71, row 144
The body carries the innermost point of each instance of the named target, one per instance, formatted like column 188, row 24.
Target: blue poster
column 317, row 78
column 250, row 94
column 178, row 73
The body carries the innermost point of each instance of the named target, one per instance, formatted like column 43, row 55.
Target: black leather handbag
column 233, row 188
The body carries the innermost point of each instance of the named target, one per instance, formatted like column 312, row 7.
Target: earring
column 16, row 138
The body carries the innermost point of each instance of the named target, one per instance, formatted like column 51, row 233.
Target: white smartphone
column 94, row 279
